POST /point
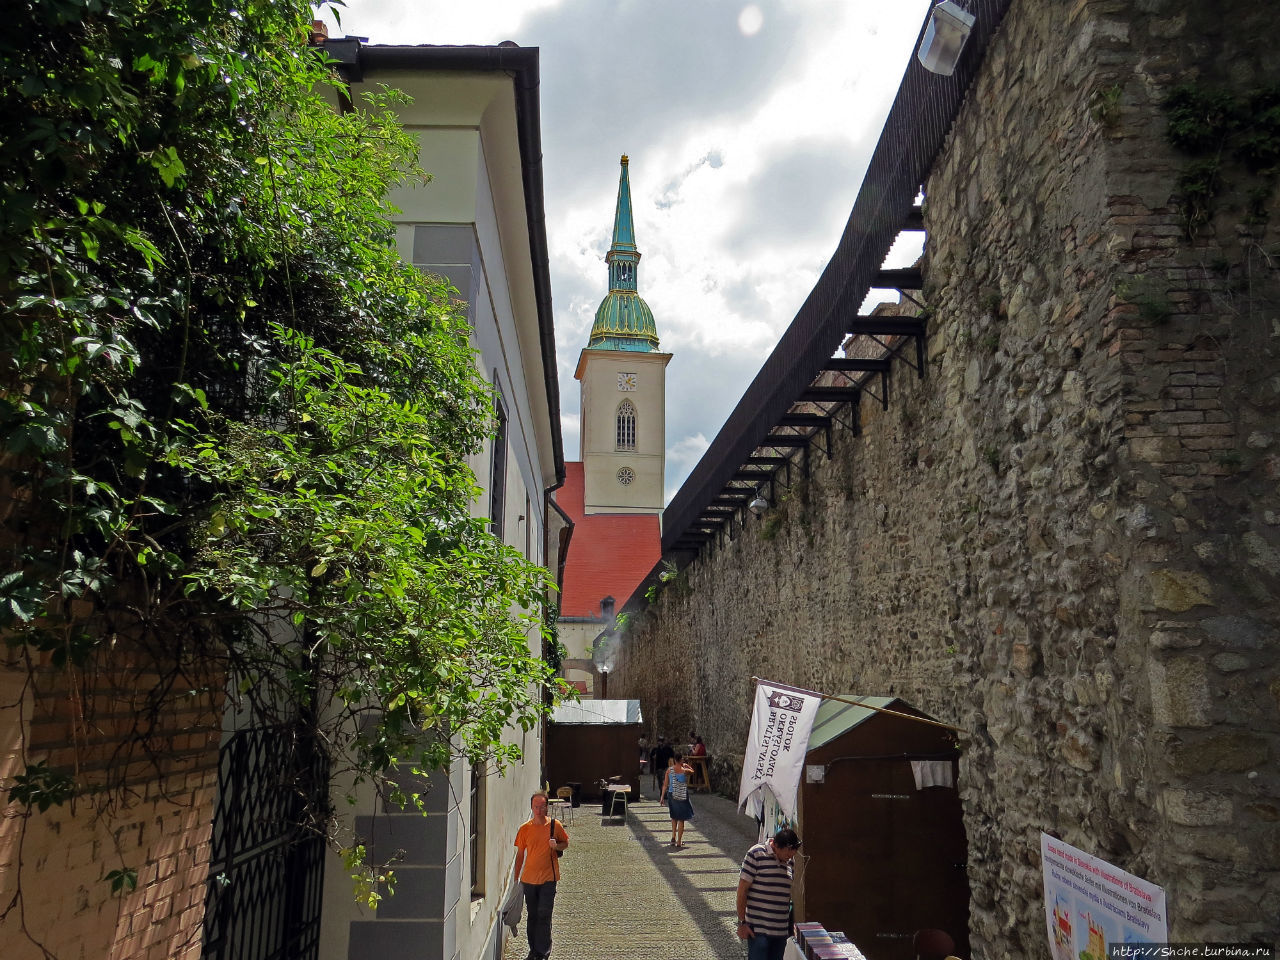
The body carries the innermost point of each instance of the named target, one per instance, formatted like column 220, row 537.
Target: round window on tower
column 626, row 475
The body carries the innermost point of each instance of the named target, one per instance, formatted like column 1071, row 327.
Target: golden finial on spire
column 625, row 160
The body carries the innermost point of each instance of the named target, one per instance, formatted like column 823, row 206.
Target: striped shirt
column 769, row 896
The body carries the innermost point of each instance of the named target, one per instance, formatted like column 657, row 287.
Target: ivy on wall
column 1213, row 125
column 234, row 426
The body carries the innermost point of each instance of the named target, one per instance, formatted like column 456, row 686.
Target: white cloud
column 436, row 21
column 681, row 458
column 748, row 134
column 570, row 426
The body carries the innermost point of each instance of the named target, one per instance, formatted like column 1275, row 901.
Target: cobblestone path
column 625, row 894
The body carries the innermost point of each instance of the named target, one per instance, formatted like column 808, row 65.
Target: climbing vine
column 234, row 426
column 1213, row 125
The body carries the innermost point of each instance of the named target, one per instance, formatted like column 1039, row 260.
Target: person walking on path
column 764, row 896
column 675, row 790
column 539, row 843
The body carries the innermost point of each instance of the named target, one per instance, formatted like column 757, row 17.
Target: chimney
column 606, row 608
column 319, row 32
column 604, row 685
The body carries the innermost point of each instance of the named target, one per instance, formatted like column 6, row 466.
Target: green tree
column 238, row 425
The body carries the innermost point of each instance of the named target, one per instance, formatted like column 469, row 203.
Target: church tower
column 623, row 377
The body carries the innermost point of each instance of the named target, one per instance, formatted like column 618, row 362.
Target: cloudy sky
column 749, row 126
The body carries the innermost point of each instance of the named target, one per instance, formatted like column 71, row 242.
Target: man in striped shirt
column 764, row 896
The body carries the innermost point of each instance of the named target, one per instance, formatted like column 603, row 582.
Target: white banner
column 776, row 745
column 1089, row 904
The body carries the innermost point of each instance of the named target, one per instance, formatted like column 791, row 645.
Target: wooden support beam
column 907, row 279
column 805, row 420
column 856, row 365
column 790, row 442
column 830, row 394
column 886, row 326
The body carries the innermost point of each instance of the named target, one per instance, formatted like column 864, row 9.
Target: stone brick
column 1179, row 590
column 1230, row 662
column 1178, row 416
column 1207, row 430
column 1196, row 809
column 1154, row 449
column 1180, row 695
column 1226, row 752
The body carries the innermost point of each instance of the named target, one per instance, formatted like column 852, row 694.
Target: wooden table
column 700, row 779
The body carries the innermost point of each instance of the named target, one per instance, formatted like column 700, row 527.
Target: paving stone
column 626, row 894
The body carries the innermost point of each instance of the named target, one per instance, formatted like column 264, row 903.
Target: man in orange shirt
column 539, row 842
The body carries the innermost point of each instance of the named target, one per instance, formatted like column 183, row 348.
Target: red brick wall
column 152, row 810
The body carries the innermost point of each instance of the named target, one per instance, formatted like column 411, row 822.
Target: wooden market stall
column 886, row 857
column 594, row 740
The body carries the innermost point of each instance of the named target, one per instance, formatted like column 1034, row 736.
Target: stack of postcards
column 817, row 943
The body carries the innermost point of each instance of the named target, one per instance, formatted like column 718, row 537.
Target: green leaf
column 124, row 880
column 167, row 164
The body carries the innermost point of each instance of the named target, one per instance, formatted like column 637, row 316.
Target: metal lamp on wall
column 944, row 38
column 759, row 505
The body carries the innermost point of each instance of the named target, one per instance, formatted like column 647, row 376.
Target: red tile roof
column 609, row 554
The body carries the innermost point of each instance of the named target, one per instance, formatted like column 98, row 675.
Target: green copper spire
column 624, row 231
column 623, row 320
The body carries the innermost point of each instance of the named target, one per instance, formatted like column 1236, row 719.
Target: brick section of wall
column 154, row 816
column 1065, row 538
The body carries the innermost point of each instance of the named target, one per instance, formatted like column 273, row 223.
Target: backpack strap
column 555, row 860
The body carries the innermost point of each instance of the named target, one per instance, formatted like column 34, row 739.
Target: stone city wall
column 1065, row 538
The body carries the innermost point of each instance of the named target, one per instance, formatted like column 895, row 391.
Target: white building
column 479, row 223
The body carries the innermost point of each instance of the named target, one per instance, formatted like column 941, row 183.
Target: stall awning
column 598, row 712
column 835, row 717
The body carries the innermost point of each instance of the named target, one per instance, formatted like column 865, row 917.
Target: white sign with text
column 779, row 739
column 1089, row 904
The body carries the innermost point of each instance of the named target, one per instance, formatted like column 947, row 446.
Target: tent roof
column 835, row 718
column 598, row 712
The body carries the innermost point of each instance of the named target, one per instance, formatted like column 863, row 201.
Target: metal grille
column 267, row 869
column 917, row 125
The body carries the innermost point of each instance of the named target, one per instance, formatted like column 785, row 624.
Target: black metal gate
column 267, row 870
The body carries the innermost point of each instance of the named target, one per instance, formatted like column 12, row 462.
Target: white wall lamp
column 759, row 505
column 944, row 38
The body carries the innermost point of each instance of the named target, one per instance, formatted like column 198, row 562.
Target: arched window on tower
column 626, row 426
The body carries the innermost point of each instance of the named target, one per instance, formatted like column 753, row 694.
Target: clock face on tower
column 626, row 381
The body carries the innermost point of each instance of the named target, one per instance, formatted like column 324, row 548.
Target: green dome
column 624, row 322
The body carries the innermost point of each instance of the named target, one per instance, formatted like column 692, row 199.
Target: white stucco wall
column 468, row 224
